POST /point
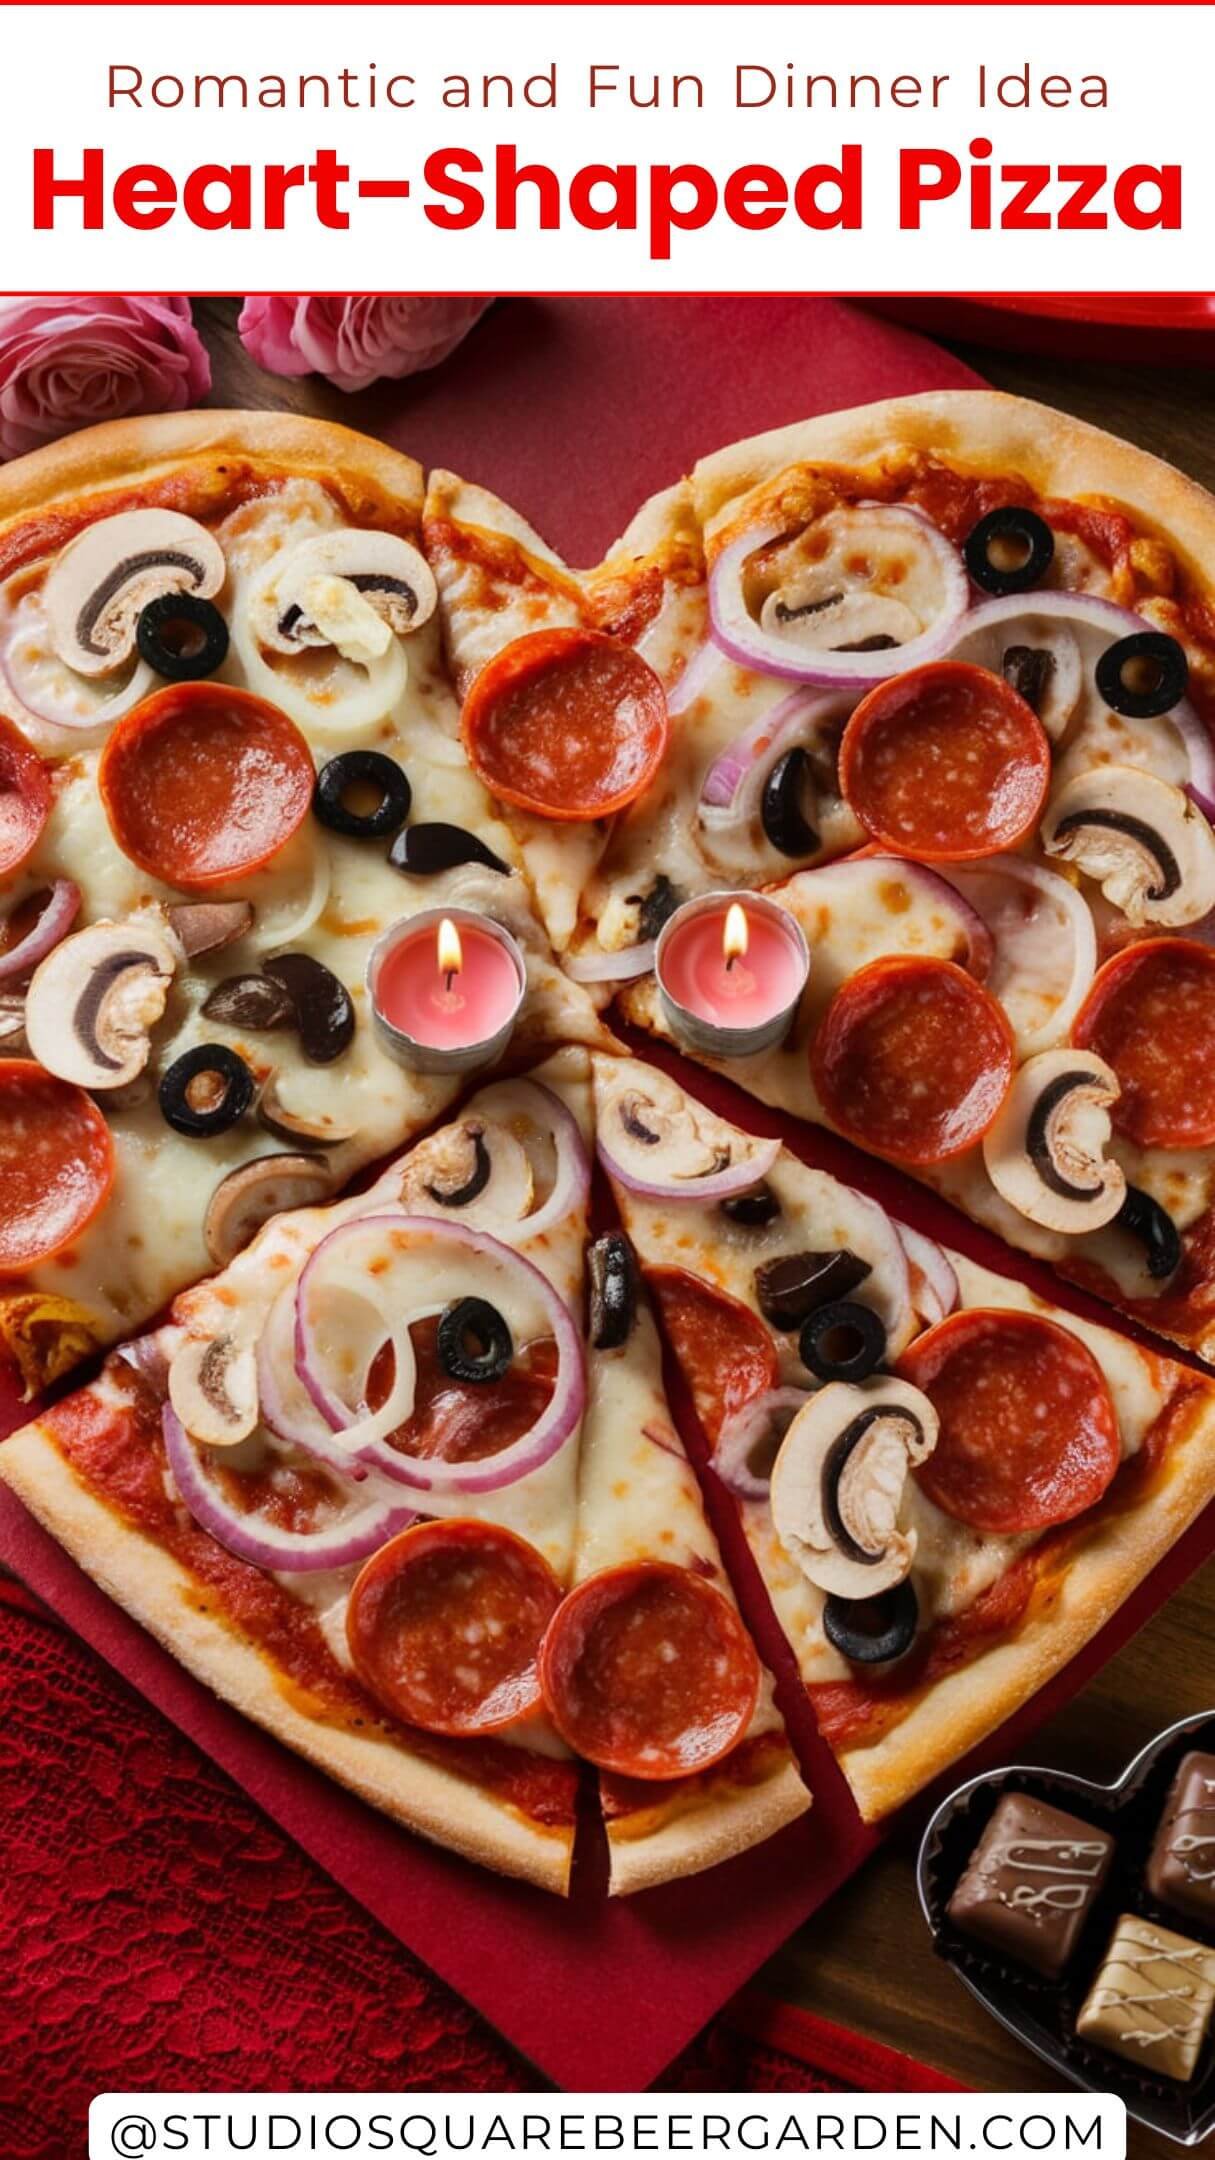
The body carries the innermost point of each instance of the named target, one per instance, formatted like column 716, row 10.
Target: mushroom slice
column 353, row 590
column 12, row 1023
column 101, row 582
column 92, row 1004
column 657, row 1140
column 295, row 1127
column 248, row 1197
column 838, row 1480
column 861, row 579
column 1144, row 842
column 473, row 1169
column 1045, row 1154
column 213, row 1388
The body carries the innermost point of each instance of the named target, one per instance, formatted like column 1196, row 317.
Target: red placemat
column 161, row 1934
column 1152, row 329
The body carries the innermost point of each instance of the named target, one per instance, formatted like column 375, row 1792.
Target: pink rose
column 353, row 341
column 68, row 362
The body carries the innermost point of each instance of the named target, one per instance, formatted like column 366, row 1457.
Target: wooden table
column 865, row 1960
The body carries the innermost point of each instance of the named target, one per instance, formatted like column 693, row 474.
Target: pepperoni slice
column 647, row 1670
column 946, row 762
column 445, row 1623
column 25, row 797
column 1151, row 1015
column 202, row 784
column 56, row 1163
column 465, row 1420
column 913, row 1059
column 1029, row 1433
column 726, row 1353
column 567, row 723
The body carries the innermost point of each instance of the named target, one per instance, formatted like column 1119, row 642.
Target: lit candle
column 445, row 987
column 730, row 970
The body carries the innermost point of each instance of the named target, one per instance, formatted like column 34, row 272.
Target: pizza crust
column 156, row 1591
column 663, row 1843
column 987, row 431
column 122, row 453
column 956, row 1713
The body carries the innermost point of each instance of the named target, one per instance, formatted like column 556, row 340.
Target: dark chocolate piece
column 1181, row 1871
column 1152, row 1998
column 1031, row 1882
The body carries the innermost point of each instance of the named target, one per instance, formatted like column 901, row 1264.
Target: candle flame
column 735, row 936
column 451, row 952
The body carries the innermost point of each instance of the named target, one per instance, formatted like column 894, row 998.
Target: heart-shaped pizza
column 339, row 823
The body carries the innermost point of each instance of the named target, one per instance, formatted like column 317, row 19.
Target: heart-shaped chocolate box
column 1042, row 2013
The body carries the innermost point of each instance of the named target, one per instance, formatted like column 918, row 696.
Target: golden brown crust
column 985, row 431
column 959, row 1711
column 125, row 452
column 141, row 1577
column 661, row 1844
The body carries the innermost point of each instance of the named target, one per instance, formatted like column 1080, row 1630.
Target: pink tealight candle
column 731, row 968
column 445, row 988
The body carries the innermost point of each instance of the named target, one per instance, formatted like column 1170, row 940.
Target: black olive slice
column 206, row 1090
column 474, row 1341
column 656, row 908
column 1028, row 669
column 842, row 1341
column 788, row 1290
column 250, row 1001
column 366, row 772
column 1152, row 1224
column 752, row 1209
column 182, row 637
column 782, row 808
column 1009, row 550
column 1143, row 675
column 872, row 1631
column 428, row 850
column 324, row 1013
column 613, row 1278
column 474, row 1184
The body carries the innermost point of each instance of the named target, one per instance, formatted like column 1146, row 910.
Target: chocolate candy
column 1181, row 1871
column 1031, row 1883
column 1152, row 1998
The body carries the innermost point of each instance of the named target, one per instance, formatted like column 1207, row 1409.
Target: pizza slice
column 948, row 1485
column 340, row 1484
column 1013, row 613
column 564, row 715
column 230, row 754
column 647, row 1667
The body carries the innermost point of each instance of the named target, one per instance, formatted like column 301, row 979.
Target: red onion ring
column 572, row 1180
column 934, row 1285
column 364, row 1437
column 740, row 1432
column 268, row 1545
column 52, row 926
column 284, row 1404
column 718, row 1185
column 737, row 633
column 766, row 738
column 1071, row 904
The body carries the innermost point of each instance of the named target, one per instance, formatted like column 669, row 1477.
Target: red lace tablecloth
column 157, row 1932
